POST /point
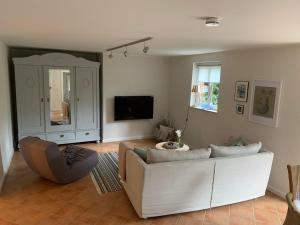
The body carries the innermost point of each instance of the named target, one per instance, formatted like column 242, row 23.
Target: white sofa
column 181, row 186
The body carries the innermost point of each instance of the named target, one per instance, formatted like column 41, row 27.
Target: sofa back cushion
column 240, row 178
column 156, row 156
column 223, row 151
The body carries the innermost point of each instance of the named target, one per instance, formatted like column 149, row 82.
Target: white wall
column 6, row 143
column 278, row 63
column 134, row 75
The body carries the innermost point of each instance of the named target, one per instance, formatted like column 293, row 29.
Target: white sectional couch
column 181, row 186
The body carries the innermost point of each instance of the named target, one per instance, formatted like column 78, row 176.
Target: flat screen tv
column 133, row 107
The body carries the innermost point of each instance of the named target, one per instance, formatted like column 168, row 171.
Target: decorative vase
column 180, row 144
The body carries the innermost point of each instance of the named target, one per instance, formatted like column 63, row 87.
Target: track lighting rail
column 130, row 43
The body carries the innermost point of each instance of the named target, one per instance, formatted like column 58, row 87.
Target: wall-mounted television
column 133, row 107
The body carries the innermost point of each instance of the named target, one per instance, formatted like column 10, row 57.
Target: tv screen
column 133, row 107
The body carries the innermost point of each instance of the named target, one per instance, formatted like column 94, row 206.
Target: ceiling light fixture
column 211, row 21
column 146, row 48
column 110, row 55
column 125, row 53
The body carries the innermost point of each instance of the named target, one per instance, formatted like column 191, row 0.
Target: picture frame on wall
column 239, row 109
column 265, row 102
column 241, row 91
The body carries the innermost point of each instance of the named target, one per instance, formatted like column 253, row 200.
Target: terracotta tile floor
column 29, row 200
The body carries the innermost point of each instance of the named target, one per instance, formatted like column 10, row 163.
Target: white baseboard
column 5, row 170
column 276, row 191
column 2, row 182
column 9, row 160
column 107, row 140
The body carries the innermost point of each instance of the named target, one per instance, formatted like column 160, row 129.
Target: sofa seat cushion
column 157, row 156
column 222, row 151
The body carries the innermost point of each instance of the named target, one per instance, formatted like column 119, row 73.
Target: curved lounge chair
column 62, row 167
column 293, row 197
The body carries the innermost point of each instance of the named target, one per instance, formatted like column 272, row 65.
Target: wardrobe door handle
column 48, row 100
column 42, row 99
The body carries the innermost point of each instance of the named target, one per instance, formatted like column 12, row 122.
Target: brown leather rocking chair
column 293, row 197
column 62, row 167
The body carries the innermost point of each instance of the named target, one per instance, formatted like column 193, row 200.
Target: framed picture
column 265, row 101
column 241, row 91
column 239, row 109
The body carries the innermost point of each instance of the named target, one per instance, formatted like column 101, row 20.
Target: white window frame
column 195, row 76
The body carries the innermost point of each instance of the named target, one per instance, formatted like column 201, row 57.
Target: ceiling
column 95, row 25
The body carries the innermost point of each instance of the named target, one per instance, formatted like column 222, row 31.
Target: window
column 205, row 87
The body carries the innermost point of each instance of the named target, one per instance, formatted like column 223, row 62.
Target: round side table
column 183, row 148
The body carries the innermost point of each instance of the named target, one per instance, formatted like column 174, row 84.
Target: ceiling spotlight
column 211, row 21
column 146, row 48
column 125, row 52
column 110, row 55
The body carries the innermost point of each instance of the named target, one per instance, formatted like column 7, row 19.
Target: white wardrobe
column 57, row 98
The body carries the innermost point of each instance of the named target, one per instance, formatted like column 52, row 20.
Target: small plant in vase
column 172, row 144
column 179, row 135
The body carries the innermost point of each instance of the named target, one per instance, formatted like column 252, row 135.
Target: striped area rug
column 105, row 174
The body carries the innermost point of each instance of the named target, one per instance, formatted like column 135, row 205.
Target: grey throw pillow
column 164, row 133
column 156, row 156
column 222, row 151
column 141, row 152
column 236, row 142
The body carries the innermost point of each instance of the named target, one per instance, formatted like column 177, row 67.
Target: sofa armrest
column 135, row 169
column 123, row 148
column 134, row 184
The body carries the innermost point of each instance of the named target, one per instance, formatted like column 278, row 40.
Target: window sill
column 203, row 109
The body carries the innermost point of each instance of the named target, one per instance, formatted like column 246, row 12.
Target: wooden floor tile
column 27, row 199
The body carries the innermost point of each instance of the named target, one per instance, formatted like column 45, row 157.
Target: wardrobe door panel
column 86, row 98
column 59, row 93
column 30, row 99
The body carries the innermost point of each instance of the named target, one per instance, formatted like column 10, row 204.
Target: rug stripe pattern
column 105, row 174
